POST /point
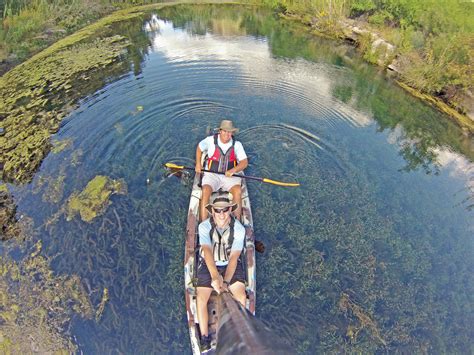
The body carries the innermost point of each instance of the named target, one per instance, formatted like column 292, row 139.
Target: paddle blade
column 279, row 183
column 174, row 166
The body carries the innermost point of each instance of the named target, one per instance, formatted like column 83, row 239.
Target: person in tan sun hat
column 221, row 237
column 224, row 155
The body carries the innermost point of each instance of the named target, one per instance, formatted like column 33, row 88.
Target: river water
column 373, row 252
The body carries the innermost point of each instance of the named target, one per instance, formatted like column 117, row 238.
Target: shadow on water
column 373, row 252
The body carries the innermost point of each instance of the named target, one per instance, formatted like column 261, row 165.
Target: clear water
column 373, row 252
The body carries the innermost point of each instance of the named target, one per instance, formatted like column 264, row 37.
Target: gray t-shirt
column 237, row 244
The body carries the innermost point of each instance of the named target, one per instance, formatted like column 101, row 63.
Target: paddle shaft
column 274, row 182
column 237, row 175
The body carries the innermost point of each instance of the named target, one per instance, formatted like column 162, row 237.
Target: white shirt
column 207, row 146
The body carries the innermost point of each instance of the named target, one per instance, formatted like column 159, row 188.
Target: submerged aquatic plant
column 8, row 222
column 60, row 145
column 95, row 198
column 103, row 302
column 36, row 95
column 37, row 306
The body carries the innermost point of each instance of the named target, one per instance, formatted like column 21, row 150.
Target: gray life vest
column 222, row 243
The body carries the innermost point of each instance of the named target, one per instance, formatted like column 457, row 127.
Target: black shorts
column 204, row 276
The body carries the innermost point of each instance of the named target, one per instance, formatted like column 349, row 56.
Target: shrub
column 362, row 6
column 445, row 62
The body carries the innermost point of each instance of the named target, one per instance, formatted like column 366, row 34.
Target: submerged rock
column 95, row 198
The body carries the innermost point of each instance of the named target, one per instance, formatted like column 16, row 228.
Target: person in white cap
column 221, row 237
column 224, row 155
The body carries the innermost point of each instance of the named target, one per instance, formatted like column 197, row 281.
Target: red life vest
column 220, row 162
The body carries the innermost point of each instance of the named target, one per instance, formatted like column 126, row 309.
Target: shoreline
column 360, row 34
column 382, row 54
column 27, row 118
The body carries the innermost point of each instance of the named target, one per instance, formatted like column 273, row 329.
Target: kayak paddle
column 269, row 181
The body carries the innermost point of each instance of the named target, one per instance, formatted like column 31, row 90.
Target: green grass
column 435, row 38
column 30, row 26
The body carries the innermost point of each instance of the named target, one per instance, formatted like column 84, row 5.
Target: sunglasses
column 220, row 210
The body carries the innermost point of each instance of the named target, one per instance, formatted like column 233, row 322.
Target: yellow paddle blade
column 279, row 183
column 174, row 166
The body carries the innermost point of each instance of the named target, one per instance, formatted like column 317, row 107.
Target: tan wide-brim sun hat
column 228, row 125
column 221, row 200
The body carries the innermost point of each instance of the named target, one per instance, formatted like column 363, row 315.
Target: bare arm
column 241, row 166
column 198, row 167
column 231, row 266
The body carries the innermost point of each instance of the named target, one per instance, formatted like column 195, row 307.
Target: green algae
column 94, row 199
column 103, row 302
column 76, row 157
column 138, row 109
column 59, row 146
column 37, row 97
column 463, row 121
column 350, row 308
column 37, row 94
column 52, row 187
column 37, row 305
column 55, row 189
column 8, row 223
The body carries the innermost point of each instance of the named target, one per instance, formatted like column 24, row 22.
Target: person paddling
column 224, row 155
column 222, row 240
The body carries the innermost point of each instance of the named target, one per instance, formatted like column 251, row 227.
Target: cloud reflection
column 306, row 85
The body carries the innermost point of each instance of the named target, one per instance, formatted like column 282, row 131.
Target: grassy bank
column 434, row 40
column 30, row 26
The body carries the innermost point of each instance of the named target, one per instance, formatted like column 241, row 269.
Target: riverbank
column 403, row 46
column 458, row 104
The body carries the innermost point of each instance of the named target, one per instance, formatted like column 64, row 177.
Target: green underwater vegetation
column 53, row 188
column 59, row 146
column 36, row 306
column 133, row 272
column 94, row 199
column 8, row 222
column 35, row 98
column 36, row 95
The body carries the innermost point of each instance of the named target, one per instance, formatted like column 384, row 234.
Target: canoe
column 191, row 258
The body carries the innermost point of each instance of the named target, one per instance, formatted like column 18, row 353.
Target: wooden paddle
column 266, row 180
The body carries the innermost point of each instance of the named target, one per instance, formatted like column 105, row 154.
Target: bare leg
column 206, row 194
column 203, row 294
column 236, row 192
column 238, row 290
